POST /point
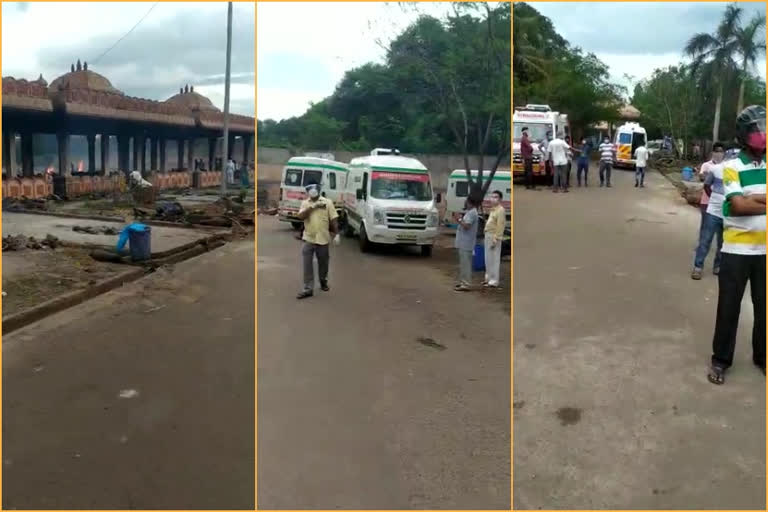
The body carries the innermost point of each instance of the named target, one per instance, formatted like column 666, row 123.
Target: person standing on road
column 231, row 172
column 641, row 162
column 607, row 152
column 320, row 226
column 743, row 245
column 526, row 151
column 583, row 162
column 494, row 235
column 466, row 239
column 558, row 150
column 569, row 154
column 712, row 217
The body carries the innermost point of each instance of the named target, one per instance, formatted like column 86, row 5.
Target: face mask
column 313, row 193
column 718, row 156
column 756, row 141
column 494, row 200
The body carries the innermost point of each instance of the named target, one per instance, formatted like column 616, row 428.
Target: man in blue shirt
column 466, row 239
column 583, row 162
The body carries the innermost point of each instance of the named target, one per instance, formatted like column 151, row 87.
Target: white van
column 389, row 200
column 301, row 171
column 541, row 121
column 458, row 191
column 627, row 138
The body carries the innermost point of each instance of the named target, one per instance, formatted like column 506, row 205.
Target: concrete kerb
column 21, row 319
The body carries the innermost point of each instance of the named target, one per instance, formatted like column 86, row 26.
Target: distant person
column 526, row 151
column 231, row 171
column 244, row 179
column 558, row 150
column 321, row 225
column 466, row 239
column 743, row 245
column 494, row 236
column 607, row 153
column 582, row 165
column 641, row 162
column 569, row 154
column 712, row 219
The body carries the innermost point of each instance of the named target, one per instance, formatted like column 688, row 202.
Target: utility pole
column 225, row 143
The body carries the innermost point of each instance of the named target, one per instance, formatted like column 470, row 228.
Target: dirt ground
column 34, row 276
column 612, row 339
column 389, row 392
column 141, row 398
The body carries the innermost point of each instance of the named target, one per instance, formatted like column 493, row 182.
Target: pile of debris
column 22, row 242
column 96, row 230
column 225, row 212
column 24, row 203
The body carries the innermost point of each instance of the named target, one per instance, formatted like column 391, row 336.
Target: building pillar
column 8, row 141
column 161, row 147
column 180, row 153
column 123, row 154
column 104, row 153
column 246, row 149
column 190, row 154
column 230, row 148
column 212, row 153
column 62, row 140
column 143, row 151
column 27, row 155
column 91, row 138
column 153, row 153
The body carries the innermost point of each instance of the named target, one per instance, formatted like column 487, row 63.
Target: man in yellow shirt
column 494, row 234
column 320, row 226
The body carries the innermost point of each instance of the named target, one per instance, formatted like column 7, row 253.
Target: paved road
column 611, row 344
column 182, row 340
column 353, row 412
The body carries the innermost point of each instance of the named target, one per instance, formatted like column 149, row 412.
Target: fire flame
column 80, row 166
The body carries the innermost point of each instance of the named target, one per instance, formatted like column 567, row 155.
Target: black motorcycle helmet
column 750, row 120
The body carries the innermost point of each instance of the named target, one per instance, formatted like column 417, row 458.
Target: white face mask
column 494, row 200
column 313, row 193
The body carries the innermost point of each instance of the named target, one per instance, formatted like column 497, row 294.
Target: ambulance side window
column 332, row 180
column 462, row 189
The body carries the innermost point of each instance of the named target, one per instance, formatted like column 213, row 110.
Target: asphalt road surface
column 612, row 339
column 142, row 398
column 354, row 412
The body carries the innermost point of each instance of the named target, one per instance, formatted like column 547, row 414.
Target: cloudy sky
column 176, row 44
column 636, row 38
column 304, row 47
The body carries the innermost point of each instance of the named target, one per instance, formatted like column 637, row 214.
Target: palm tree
column 717, row 51
column 749, row 49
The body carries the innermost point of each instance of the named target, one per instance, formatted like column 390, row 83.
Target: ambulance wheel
column 296, row 225
column 365, row 244
column 426, row 251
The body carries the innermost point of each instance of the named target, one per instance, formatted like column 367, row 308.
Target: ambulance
column 626, row 139
column 540, row 121
column 389, row 200
column 301, row 171
column 458, row 191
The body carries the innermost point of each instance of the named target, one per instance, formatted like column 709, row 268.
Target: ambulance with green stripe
column 458, row 191
column 301, row 171
column 389, row 200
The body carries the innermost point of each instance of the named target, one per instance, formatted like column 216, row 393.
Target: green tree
column 718, row 52
column 750, row 47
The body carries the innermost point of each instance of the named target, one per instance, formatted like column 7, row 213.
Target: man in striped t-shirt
column 607, row 152
column 743, row 244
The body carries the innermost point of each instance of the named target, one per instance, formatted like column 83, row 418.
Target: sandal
column 716, row 375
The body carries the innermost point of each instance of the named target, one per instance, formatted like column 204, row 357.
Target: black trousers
column 528, row 168
column 735, row 271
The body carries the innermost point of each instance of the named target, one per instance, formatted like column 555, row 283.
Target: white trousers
column 492, row 260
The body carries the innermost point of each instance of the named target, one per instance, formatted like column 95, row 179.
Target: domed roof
column 192, row 100
column 81, row 77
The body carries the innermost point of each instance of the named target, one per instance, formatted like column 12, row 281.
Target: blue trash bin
column 478, row 258
column 139, row 238
column 687, row 174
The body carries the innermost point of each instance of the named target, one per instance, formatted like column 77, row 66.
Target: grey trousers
column 308, row 253
column 605, row 172
column 560, row 176
column 465, row 266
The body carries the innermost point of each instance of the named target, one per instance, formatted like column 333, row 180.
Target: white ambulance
column 540, row 121
column 389, row 200
column 626, row 139
column 301, row 171
column 458, row 191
